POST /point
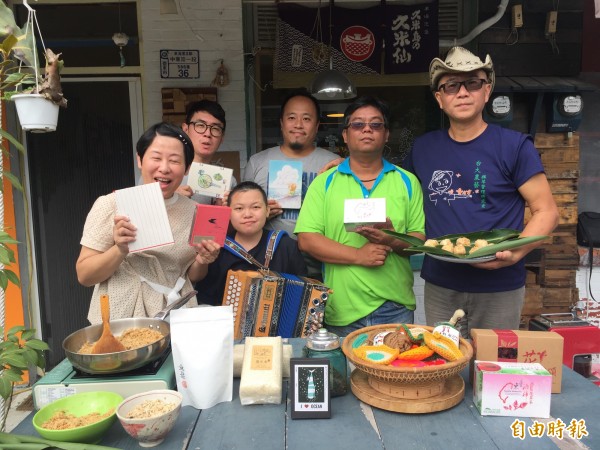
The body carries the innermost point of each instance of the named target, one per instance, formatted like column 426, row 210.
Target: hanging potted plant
column 37, row 98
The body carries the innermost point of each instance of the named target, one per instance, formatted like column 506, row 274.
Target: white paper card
column 363, row 212
column 145, row 207
column 202, row 344
column 209, row 180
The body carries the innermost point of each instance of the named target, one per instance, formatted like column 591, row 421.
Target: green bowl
column 79, row 405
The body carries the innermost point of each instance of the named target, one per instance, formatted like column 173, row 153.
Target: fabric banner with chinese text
column 357, row 38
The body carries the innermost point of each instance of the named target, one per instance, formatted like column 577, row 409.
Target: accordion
column 274, row 304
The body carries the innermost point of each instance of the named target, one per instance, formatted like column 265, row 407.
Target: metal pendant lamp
column 332, row 84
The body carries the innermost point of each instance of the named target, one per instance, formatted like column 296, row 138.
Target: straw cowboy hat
column 459, row 60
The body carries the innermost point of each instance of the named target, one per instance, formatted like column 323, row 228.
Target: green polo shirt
column 358, row 290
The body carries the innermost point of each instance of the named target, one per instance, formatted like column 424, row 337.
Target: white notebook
column 145, row 207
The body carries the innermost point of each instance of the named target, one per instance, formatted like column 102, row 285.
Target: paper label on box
column 262, row 357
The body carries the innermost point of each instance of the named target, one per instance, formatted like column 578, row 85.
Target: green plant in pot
column 36, row 97
column 19, row 348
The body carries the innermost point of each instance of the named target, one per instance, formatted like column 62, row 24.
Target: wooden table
column 354, row 425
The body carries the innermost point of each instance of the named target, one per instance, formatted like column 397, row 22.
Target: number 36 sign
column 179, row 63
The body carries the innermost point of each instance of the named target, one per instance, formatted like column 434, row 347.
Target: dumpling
column 463, row 241
column 481, row 243
column 431, row 243
column 449, row 247
column 459, row 249
column 446, row 242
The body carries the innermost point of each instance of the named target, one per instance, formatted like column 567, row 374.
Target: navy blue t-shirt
column 286, row 258
column 473, row 186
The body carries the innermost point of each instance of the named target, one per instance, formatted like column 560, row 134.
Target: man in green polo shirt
column 370, row 276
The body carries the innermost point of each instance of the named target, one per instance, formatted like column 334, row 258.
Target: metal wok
column 109, row 363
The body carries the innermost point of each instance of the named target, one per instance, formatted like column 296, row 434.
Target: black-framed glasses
column 452, row 87
column 358, row 126
column 200, row 127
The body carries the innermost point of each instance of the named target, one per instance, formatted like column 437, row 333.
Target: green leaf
column 27, row 334
column 12, row 277
column 37, row 344
column 413, row 241
column 3, row 280
column 12, row 375
column 5, row 388
column 16, row 329
column 15, row 360
column 8, row 43
column 30, row 355
column 501, row 239
column 6, row 135
column 13, row 180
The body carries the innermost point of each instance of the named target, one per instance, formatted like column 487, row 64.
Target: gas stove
column 581, row 341
column 64, row 380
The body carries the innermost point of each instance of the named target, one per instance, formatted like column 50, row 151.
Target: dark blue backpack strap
column 274, row 238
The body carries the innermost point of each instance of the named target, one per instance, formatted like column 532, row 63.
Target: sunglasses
column 375, row 126
column 452, row 87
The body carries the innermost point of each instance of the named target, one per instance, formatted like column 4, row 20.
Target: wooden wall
column 551, row 280
column 532, row 54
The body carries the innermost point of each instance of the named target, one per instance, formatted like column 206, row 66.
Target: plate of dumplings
column 467, row 248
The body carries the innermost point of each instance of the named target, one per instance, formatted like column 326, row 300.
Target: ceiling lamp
column 332, row 84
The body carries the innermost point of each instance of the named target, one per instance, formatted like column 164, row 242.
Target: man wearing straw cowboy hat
column 477, row 176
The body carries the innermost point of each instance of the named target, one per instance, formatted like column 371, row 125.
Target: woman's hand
column 207, row 252
column 124, row 232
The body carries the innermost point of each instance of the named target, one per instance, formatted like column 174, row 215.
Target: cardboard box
column 363, row 212
column 544, row 347
column 512, row 389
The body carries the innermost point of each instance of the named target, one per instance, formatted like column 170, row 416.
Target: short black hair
column 245, row 186
column 168, row 130
column 300, row 93
column 209, row 106
column 382, row 106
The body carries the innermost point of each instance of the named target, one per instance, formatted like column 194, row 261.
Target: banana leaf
column 502, row 239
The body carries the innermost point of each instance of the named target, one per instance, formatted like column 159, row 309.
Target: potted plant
column 37, row 98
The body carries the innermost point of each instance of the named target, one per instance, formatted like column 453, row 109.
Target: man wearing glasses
column 205, row 125
column 370, row 277
column 477, row 177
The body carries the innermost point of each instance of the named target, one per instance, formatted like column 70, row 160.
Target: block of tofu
column 261, row 381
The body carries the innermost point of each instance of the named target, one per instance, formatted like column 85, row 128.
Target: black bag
column 588, row 229
column 588, row 235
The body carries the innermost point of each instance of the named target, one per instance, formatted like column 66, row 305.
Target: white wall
column 218, row 24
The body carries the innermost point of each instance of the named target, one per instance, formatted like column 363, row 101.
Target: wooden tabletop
column 354, row 425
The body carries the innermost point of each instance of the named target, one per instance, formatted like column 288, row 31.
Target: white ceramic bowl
column 151, row 431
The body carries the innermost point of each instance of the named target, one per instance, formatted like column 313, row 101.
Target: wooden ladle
column 107, row 342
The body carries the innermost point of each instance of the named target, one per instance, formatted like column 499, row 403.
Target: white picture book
column 145, row 207
column 209, row 180
column 285, row 183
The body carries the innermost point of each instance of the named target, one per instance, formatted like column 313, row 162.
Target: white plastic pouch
column 202, row 345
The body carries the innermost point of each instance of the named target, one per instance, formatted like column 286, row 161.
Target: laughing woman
column 140, row 284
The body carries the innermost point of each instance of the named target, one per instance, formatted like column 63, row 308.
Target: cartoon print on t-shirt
column 440, row 187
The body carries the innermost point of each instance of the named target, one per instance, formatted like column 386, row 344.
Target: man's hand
column 374, row 234
column 503, row 259
column 371, row 255
column 275, row 208
column 186, row 191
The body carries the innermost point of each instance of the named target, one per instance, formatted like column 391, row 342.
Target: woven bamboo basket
column 405, row 375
